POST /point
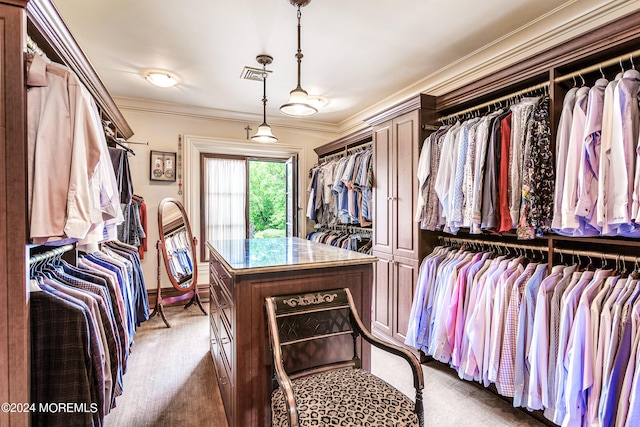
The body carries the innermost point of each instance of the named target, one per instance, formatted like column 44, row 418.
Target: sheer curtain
column 225, row 187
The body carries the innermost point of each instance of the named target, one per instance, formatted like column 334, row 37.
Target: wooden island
column 242, row 274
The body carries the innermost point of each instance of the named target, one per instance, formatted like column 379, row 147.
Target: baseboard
column 152, row 294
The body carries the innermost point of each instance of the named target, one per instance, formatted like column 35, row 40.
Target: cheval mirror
column 178, row 248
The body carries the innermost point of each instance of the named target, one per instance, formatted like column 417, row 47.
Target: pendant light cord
column 264, row 94
column 299, row 54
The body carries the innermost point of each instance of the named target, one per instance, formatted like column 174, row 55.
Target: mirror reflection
column 177, row 248
column 178, row 245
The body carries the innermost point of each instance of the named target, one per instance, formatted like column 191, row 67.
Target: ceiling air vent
column 250, row 73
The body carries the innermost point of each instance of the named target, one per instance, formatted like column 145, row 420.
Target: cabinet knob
column 223, row 380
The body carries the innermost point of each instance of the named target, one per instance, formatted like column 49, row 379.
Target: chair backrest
column 313, row 332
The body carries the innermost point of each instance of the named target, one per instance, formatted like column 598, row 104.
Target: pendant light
column 299, row 105
column 264, row 134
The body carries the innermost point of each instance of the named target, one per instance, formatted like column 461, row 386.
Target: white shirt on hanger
column 570, row 223
column 623, row 148
column 604, row 209
column 562, row 146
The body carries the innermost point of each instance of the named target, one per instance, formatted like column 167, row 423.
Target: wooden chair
column 318, row 334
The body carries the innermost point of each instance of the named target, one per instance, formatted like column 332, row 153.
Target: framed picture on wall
column 162, row 166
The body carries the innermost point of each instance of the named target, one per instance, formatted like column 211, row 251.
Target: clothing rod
column 595, row 254
column 599, row 66
column 346, row 151
column 50, row 254
column 359, row 147
column 121, row 144
column 331, row 157
column 489, row 103
column 124, row 141
column 134, row 142
column 174, row 231
column 344, row 227
column 446, row 239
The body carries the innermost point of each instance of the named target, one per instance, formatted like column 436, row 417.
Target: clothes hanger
column 589, row 265
column 576, row 259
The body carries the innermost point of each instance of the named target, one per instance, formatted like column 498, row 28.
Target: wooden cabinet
column 14, row 321
column 396, row 146
column 238, row 335
column 222, row 313
column 397, row 241
column 395, row 281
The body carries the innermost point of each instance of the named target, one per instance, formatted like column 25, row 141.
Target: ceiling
column 357, row 53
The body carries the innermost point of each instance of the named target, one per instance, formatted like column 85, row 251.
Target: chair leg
column 420, row 408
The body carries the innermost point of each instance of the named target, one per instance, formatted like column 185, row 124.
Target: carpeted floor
column 449, row 401
column 170, row 379
column 171, row 382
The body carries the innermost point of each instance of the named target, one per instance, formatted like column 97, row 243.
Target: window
column 247, row 197
column 224, row 187
column 267, row 198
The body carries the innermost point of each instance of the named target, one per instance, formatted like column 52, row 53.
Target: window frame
column 193, row 145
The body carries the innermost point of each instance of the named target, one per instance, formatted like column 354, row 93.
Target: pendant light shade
column 299, row 105
column 264, row 134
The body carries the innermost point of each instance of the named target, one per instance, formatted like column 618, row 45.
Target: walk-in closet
column 448, row 199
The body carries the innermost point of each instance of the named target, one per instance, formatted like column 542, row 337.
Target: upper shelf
column 608, row 41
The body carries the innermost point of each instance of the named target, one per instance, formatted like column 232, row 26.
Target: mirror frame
column 161, row 245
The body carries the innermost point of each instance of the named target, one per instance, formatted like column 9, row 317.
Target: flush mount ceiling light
column 264, row 134
column 299, row 105
column 318, row 102
column 160, row 79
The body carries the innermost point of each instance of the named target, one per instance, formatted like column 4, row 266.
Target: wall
column 161, row 125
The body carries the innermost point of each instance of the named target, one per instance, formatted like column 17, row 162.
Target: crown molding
column 563, row 23
column 205, row 113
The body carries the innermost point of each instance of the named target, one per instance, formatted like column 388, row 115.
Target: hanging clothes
column 359, row 241
column 538, row 175
column 340, row 190
column 178, row 248
column 132, row 231
column 599, row 191
column 564, row 342
column 142, row 248
column 491, row 173
column 82, row 320
column 73, row 196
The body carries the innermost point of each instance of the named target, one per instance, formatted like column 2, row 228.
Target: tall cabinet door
column 406, row 132
column 381, row 306
column 383, row 184
column 405, row 272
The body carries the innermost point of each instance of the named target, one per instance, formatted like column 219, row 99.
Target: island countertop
column 248, row 256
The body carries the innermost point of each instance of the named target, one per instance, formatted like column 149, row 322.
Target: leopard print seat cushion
column 345, row 397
